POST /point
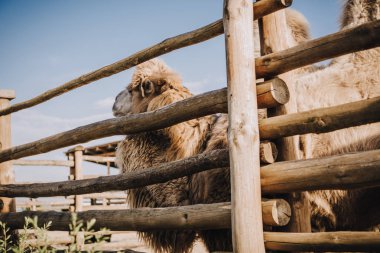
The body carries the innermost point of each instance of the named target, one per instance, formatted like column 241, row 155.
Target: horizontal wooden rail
column 194, row 107
column 336, row 172
column 203, row 216
column 98, row 159
column 346, row 171
column 321, row 242
column 321, row 120
column 43, row 163
column 159, row 174
column 362, row 37
column 314, row 121
column 326, row 241
column 104, row 195
column 264, row 7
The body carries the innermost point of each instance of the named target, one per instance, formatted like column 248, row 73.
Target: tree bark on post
column 276, row 37
column 243, row 133
column 6, row 170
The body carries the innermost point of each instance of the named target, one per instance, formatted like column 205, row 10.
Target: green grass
column 40, row 237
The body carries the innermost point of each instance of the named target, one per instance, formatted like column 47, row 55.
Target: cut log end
column 283, row 211
column 268, row 152
column 276, row 212
column 272, row 93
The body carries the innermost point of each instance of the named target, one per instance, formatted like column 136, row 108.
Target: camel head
column 153, row 85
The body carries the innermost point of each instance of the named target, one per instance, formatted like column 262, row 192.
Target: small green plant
column 82, row 234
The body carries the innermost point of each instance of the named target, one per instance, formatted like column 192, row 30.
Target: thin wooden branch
column 186, row 39
column 327, row 241
column 43, row 163
column 343, row 172
column 203, row 216
column 362, row 37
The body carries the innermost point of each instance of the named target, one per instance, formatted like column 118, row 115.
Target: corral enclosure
column 272, row 128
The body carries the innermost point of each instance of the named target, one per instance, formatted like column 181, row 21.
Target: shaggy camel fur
column 155, row 85
column 348, row 78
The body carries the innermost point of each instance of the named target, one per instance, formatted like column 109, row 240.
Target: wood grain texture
column 243, row 129
column 327, row 241
column 203, row 216
column 314, row 121
column 359, row 38
column 43, row 163
column 322, row 120
column 183, row 40
column 272, row 93
column 349, row 171
column 268, row 152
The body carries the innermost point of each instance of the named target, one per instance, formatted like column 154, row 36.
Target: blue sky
column 44, row 43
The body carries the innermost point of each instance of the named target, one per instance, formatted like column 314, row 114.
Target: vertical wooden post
column 243, row 133
column 108, row 168
column 276, row 37
column 6, row 170
column 78, row 174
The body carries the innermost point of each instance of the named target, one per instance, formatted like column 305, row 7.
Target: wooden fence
column 247, row 211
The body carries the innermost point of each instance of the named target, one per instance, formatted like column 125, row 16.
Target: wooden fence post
column 6, row 170
column 276, row 36
column 76, row 173
column 243, row 133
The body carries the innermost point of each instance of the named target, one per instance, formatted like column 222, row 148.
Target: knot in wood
column 320, row 122
column 267, row 62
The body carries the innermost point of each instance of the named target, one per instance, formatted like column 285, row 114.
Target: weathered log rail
column 326, row 241
column 314, row 121
column 347, row 171
column 203, row 216
column 43, row 163
column 264, row 7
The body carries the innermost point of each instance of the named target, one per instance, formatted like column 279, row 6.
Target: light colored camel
column 348, row 78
